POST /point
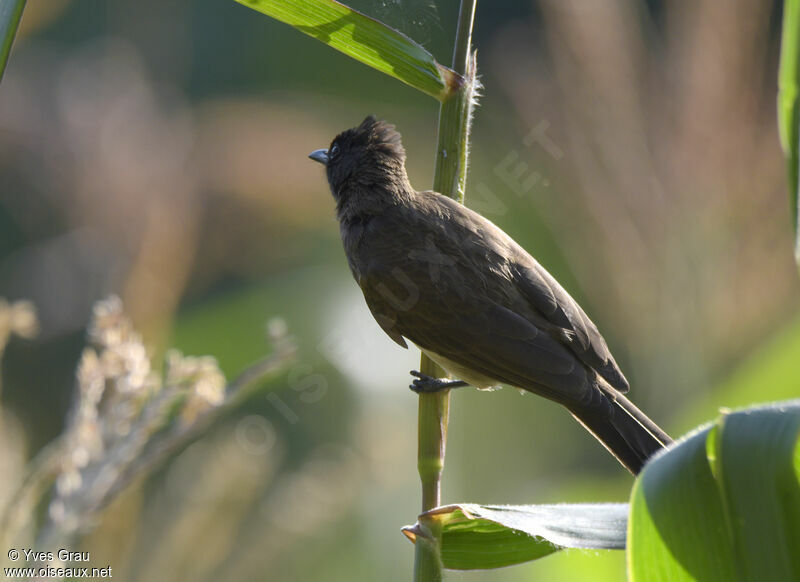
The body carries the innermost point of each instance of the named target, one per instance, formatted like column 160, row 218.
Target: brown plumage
column 437, row 273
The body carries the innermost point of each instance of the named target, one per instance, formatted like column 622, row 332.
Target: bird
column 440, row 275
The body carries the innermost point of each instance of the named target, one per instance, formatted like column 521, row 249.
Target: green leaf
column 723, row 504
column 789, row 104
column 10, row 15
column 364, row 39
column 759, row 487
column 677, row 518
column 488, row 536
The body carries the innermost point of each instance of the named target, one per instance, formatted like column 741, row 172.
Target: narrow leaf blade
column 487, row 536
column 10, row 15
column 364, row 39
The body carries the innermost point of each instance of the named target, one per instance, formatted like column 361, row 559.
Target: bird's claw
column 424, row 384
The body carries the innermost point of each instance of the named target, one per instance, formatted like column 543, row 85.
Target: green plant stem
column 10, row 15
column 432, row 438
column 449, row 179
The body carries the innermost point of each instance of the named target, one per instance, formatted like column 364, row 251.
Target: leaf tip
column 412, row 532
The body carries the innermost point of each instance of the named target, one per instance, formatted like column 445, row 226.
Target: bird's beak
column 320, row 156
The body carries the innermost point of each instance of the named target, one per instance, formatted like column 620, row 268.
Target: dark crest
column 366, row 154
column 381, row 137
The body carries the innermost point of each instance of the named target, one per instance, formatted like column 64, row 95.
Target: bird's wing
column 542, row 292
column 581, row 335
column 386, row 318
column 478, row 334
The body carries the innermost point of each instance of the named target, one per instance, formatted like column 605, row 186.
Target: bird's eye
column 334, row 151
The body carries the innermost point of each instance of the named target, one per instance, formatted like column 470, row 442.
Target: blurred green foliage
column 789, row 103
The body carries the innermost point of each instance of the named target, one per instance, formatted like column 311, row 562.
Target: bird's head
column 367, row 157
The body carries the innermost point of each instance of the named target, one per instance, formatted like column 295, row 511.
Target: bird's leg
column 427, row 384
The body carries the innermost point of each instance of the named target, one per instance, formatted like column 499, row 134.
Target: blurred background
column 157, row 150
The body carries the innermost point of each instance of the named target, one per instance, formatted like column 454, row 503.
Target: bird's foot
column 424, row 384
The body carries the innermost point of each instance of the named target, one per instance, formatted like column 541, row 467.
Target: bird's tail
column 623, row 429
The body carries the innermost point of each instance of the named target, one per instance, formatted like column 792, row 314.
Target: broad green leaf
column 364, row 39
column 486, row 536
column 10, row 15
column 723, row 504
column 760, row 490
column 789, row 103
column 677, row 520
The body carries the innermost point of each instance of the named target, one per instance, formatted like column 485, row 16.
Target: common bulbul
column 444, row 277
